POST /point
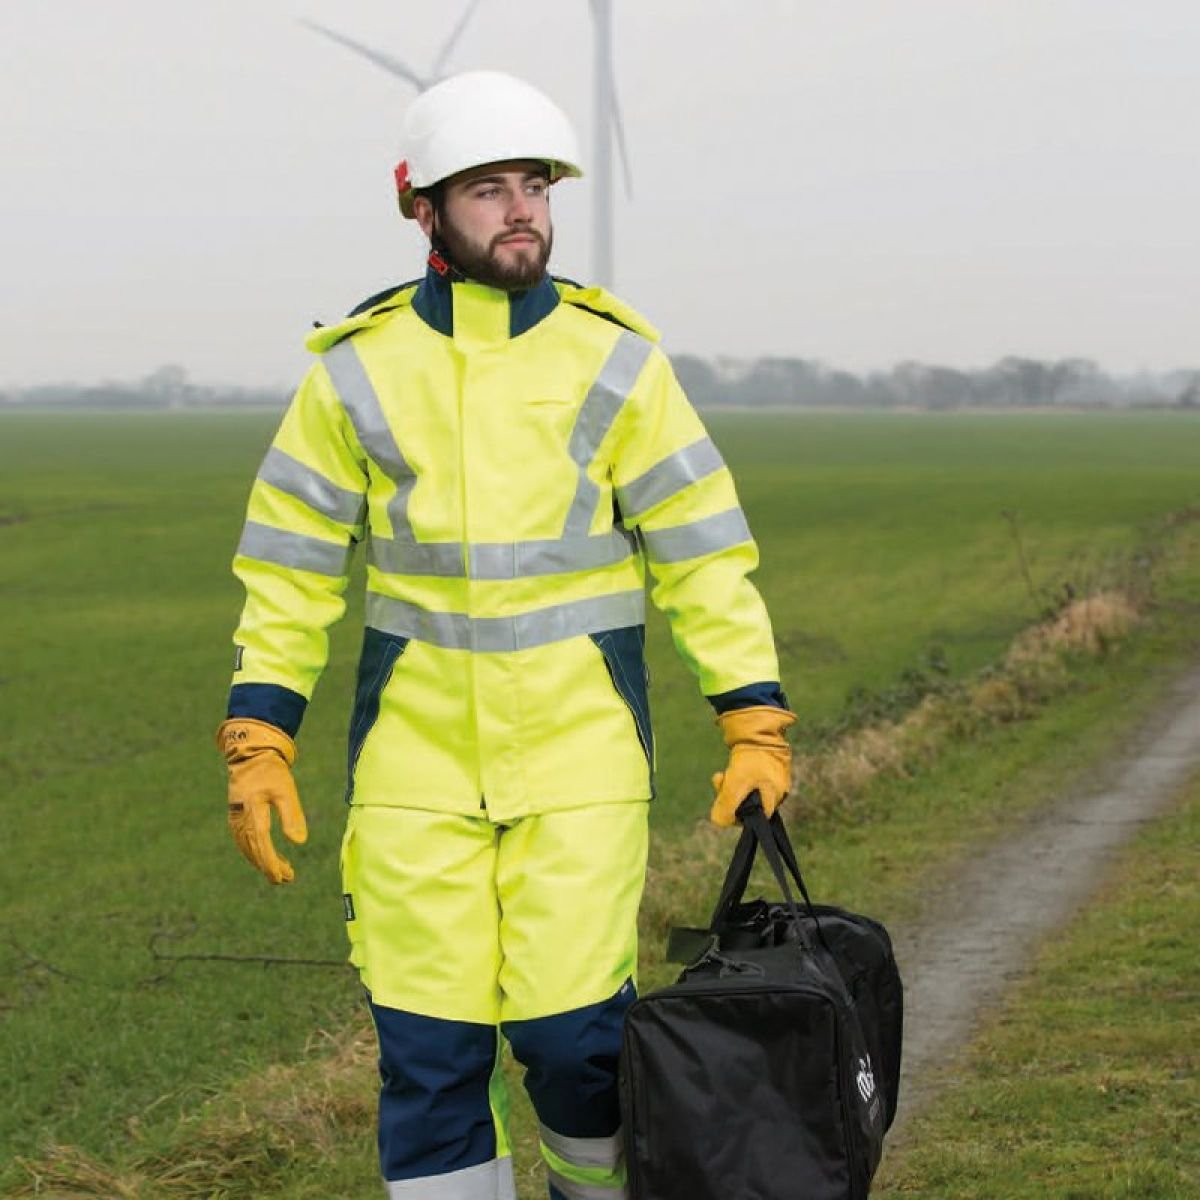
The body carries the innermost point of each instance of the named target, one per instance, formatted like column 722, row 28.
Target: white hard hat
column 481, row 117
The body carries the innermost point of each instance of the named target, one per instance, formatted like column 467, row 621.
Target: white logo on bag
column 865, row 1079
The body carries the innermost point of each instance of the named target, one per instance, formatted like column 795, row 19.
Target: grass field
column 884, row 546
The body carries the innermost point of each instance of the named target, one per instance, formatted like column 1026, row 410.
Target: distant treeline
column 1011, row 383
column 745, row 383
column 168, row 387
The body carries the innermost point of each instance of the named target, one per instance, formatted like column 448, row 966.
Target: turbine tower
column 606, row 115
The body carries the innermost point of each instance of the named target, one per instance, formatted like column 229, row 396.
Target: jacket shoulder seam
column 380, row 298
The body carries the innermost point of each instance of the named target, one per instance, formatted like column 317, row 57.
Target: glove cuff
column 241, row 738
column 762, row 724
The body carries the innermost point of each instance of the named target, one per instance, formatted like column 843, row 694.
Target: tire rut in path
column 982, row 928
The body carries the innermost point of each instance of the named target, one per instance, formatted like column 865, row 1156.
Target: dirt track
column 979, row 931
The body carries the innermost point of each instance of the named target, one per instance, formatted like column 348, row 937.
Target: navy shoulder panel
column 379, row 297
column 606, row 316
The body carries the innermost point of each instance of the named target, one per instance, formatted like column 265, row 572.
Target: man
column 515, row 450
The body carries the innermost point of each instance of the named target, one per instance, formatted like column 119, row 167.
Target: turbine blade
column 393, row 66
column 447, row 49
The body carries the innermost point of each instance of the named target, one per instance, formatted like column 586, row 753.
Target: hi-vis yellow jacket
column 512, row 463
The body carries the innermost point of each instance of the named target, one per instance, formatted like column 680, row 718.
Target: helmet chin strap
column 439, row 260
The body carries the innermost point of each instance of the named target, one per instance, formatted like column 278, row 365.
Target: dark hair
column 435, row 193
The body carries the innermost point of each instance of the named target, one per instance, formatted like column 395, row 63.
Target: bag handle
column 773, row 838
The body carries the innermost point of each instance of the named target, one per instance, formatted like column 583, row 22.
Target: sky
column 859, row 181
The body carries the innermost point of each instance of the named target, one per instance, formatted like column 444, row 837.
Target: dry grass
column 269, row 1119
column 1088, row 626
column 1034, row 669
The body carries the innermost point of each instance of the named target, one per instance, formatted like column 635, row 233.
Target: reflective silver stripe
column 268, row 544
column 457, row 631
column 705, row 536
column 361, row 402
column 503, row 560
column 488, row 1181
column 402, row 554
column 444, row 559
column 553, row 556
column 574, row 1190
column 595, row 418
column 669, row 476
column 506, row 1184
column 584, row 1152
column 289, row 475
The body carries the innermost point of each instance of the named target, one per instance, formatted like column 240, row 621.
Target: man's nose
column 520, row 211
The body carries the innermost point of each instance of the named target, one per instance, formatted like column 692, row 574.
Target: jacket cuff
column 278, row 706
column 750, row 696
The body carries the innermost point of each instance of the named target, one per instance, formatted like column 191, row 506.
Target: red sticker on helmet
column 403, row 183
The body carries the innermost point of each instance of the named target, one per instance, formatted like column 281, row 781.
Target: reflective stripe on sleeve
column 584, row 1152
column 289, row 475
column 361, row 401
column 487, row 1181
column 706, row 536
column 595, row 418
column 671, row 475
column 458, row 631
column 268, row 544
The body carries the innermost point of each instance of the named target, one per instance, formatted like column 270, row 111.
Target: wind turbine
column 395, row 66
column 606, row 114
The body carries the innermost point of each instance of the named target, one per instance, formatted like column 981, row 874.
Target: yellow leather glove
column 759, row 757
column 260, row 758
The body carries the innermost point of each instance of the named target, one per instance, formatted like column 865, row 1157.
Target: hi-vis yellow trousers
column 463, row 930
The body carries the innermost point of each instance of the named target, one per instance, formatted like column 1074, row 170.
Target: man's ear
column 424, row 213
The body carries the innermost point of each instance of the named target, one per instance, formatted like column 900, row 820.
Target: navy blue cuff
column 750, row 696
column 278, row 706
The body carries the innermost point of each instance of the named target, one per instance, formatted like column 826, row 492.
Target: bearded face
column 511, row 261
column 493, row 223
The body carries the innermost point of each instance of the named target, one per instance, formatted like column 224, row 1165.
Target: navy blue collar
column 434, row 302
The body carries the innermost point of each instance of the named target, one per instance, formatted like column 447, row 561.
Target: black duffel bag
column 754, row 1076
